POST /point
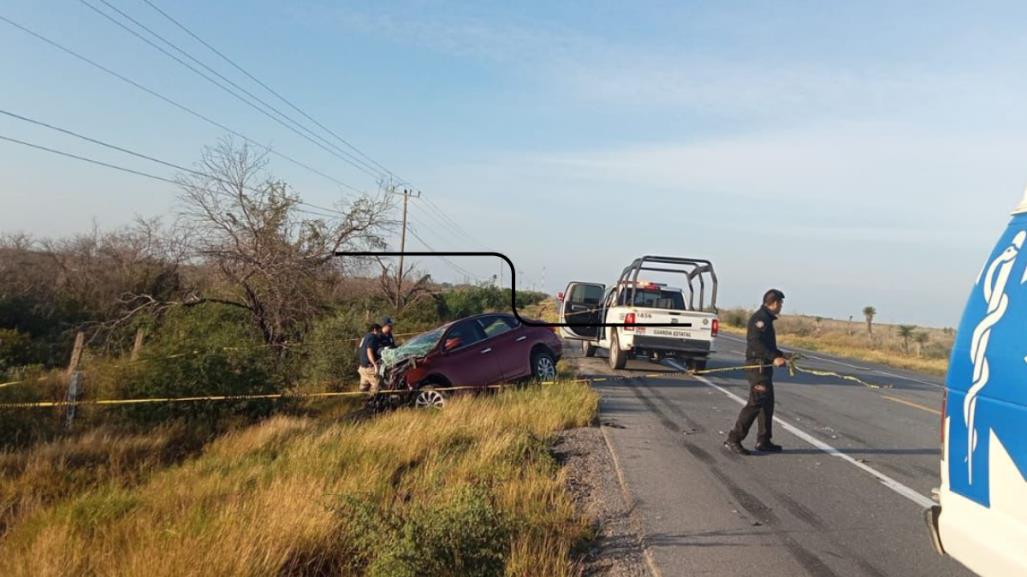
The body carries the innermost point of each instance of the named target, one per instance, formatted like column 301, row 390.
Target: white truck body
column 638, row 318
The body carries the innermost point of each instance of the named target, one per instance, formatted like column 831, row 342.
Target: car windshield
column 415, row 347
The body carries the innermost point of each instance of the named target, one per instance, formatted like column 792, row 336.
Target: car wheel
column 588, row 349
column 429, row 398
column 618, row 359
column 543, row 366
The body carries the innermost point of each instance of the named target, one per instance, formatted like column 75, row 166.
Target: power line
column 266, row 87
column 137, row 155
column 358, row 163
column 177, row 105
column 451, row 237
column 455, row 225
column 89, row 160
column 452, row 265
column 338, row 153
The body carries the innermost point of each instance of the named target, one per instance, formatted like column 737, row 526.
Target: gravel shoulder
column 615, row 550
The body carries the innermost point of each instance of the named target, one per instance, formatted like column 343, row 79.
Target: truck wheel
column 618, row 359
column 587, row 349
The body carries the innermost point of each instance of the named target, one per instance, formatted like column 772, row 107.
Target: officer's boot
column 736, row 447
column 768, row 447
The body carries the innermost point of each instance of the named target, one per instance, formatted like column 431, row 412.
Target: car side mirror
column 451, row 344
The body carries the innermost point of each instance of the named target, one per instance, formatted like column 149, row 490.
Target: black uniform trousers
column 760, row 406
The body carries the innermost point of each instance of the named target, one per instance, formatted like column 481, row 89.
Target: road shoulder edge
column 630, row 504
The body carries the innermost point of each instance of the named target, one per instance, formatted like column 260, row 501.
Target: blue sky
column 850, row 154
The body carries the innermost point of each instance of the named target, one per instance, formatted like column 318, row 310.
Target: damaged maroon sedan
column 476, row 351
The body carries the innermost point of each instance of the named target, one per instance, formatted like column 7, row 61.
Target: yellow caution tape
column 268, row 396
column 196, row 352
column 793, row 368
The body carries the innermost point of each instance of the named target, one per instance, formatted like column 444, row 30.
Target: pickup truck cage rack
column 692, row 268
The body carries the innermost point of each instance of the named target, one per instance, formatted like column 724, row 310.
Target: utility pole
column 403, row 239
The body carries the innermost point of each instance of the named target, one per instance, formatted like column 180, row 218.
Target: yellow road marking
column 912, row 404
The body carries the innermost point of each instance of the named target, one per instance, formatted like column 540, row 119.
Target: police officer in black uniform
column 761, row 349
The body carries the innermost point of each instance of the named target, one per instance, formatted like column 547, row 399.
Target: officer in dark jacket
column 761, row 349
column 368, row 358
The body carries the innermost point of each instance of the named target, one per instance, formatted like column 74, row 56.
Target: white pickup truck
column 639, row 318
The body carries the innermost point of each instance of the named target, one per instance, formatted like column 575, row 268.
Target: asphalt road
column 844, row 499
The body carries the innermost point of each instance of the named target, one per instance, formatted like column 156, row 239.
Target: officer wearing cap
column 761, row 349
column 386, row 340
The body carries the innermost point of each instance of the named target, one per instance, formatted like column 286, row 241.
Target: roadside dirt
column 592, row 480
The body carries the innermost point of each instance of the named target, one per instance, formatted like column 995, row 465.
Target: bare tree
column 271, row 257
column 96, row 275
column 402, row 292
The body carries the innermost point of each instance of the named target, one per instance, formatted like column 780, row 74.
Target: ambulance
column 981, row 516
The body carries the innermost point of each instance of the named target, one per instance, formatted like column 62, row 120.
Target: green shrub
column 735, row 317
column 23, row 426
column 466, row 301
column 16, row 349
column 465, row 535
column 329, row 350
column 937, row 351
column 209, row 350
column 419, row 316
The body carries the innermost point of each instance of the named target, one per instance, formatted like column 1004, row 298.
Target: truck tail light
column 715, row 327
column 629, row 319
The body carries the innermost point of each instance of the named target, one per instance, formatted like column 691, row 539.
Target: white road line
column 885, row 480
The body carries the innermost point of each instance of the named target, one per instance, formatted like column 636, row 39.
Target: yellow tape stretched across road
column 792, row 367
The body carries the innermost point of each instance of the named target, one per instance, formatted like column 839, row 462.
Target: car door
column 468, row 356
column 510, row 344
column 581, row 309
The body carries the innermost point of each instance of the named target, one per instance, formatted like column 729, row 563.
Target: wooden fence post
column 76, row 354
column 137, row 345
column 74, row 377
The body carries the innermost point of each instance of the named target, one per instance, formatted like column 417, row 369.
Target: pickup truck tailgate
column 689, row 331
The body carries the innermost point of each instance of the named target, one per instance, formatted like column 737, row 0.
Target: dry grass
column 298, row 496
column 546, row 310
column 852, row 340
column 31, row 479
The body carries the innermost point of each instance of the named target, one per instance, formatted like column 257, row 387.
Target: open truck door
column 581, row 308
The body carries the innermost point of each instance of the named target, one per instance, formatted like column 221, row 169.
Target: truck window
column 655, row 299
column 586, row 294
